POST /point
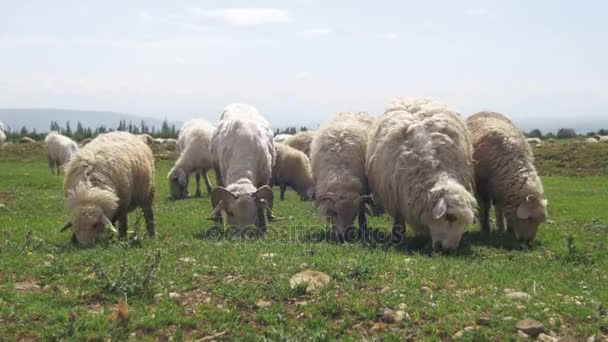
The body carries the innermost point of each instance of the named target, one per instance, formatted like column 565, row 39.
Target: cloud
column 303, row 76
column 243, row 17
column 387, row 36
column 316, row 32
column 19, row 41
column 477, row 12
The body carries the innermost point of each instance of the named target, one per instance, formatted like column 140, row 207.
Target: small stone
column 518, row 296
column 546, row 338
column 174, row 295
column 552, row 320
column 302, row 303
column 314, row 279
column 393, row 316
column 268, row 256
column 385, row 289
column 378, row 327
column 591, row 339
column 426, row 289
column 469, row 329
column 458, row 335
column 483, row 321
column 158, row 297
column 530, row 327
column 402, row 306
column 522, row 334
column 49, row 257
column 188, row 260
column 207, row 300
column 520, row 308
column 263, row 304
column 508, row 319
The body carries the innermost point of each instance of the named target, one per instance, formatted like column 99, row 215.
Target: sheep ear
column 221, row 195
column 440, row 209
column 264, row 195
column 66, row 225
column 182, row 179
column 106, row 222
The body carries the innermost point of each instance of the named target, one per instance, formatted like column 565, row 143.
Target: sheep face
column 178, row 183
column 341, row 210
column 530, row 214
column 451, row 215
column 88, row 224
column 242, row 209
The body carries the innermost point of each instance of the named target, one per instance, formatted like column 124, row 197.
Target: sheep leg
column 363, row 224
column 207, row 183
column 261, row 221
column 500, row 218
column 52, row 166
column 283, row 189
column 218, row 175
column 149, row 218
column 123, row 225
column 398, row 233
column 484, row 214
column 197, row 175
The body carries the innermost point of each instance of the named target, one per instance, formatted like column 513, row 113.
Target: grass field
column 191, row 283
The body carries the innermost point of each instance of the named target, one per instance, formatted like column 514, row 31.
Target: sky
column 543, row 63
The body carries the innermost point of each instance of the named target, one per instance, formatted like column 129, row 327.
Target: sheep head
column 178, row 183
column 531, row 212
column 241, row 208
column 453, row 211
column 342, row 210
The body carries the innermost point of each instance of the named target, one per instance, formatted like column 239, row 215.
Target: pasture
column 194, row 282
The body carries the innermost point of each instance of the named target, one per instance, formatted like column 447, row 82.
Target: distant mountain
column 40, row 118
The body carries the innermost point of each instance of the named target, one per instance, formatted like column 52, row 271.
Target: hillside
column 40, row 118
column 571, row 157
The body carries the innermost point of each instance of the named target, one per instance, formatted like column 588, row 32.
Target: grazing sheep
column 242, row 146
column 338, row 166
column 2, row 138
column 592, row 140
column 603, row 139
column 85, row 142
column 159, row 141
column 105, row 180
column 301, row 141
column 194, row 146
column 27, row 140
column 170, row 143
column 419, row 166
column 292, row 168
column 280, row 138
column 505, row 176
column 536, row 141
column 59, row 150
column 147, row 138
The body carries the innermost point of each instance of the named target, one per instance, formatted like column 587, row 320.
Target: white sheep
column 105, row 180
column 243, row 147
column 603, row 139
column 59, row 150
column 2, row 138
column 194, row 146
column 1, row 127
column 536, row 141
column 170, row 143
column 505, row 176
column 419, row 166
column 338, row 164
column 592, row 140
column 292, row 168
column 301, row 141
column 280, row 138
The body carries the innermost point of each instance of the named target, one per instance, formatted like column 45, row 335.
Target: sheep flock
column 420, row 162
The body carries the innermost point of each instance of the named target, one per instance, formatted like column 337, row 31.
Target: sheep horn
column 67, row 225
column 217, row 212
column 108, row 224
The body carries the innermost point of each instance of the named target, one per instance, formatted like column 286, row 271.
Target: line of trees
column 563, row 133
column 290, row 130
column 80, row 132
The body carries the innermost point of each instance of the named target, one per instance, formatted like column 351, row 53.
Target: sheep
column 592, row 140
column 170, row 143
column 59, row 150
column 505, row 176
column 1, row 127
column 536, row 141
column 2, row 138
column 27, row 140
column 603, row 139
column 280, row 138
column 85, row 142
column 194, row 147
column 159, row 141
column 292, row 168
column 420, row 168
column 301, row 141
column 147, row 138
column 105, row 180
column 338, row 164
column 243, row 147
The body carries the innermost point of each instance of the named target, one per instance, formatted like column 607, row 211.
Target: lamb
column 301, row 141
column 338, row 166
column 292, row 168
column 505, row 176
column 280, row 138
column 194, row 146
column 243, row 147
column 59, row 150
column 420, row 168
column 105, row 180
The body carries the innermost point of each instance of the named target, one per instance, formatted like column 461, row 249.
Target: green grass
column 220, row 280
